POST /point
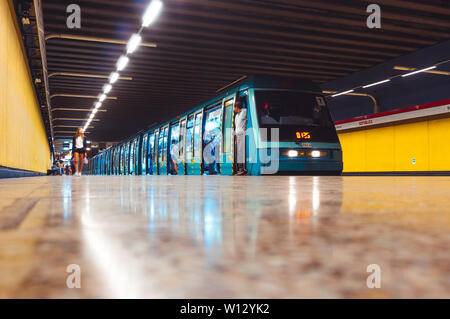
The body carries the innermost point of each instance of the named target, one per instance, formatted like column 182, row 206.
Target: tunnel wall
column 393, row 148
column 23, row 141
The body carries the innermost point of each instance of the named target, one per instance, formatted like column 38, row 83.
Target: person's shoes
column 241, row 173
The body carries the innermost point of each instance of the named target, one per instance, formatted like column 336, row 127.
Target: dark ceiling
column 203, row 45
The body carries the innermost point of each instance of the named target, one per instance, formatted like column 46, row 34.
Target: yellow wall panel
column 380, row 150
column 439, row 141
column 393, row 148
column 354, row 155
column 23, row 140
column 411, row 142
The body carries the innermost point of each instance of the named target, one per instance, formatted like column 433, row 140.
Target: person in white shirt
column 79, row 151
column 240, row 123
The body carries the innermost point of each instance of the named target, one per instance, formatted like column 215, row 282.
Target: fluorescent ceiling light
column 107, row 88
column 113, row 77
column 349, row 91
column 418, row 71
column 92, row 116
column 377, row 83
column 98, row 105
column 133, row 43
column 94, row 111
column 152, row 12
column 122, row 63
column 102, row 97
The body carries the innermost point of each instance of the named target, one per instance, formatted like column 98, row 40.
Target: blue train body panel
column 289, row 131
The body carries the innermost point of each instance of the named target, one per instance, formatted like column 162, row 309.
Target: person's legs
column 240, row 149
column 81, row 163
column 175, row 167
column 76, row 158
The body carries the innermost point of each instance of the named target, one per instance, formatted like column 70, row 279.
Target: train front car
column 294, row 133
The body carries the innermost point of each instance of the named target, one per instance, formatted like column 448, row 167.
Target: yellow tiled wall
column 393, row 148
column 23, row 141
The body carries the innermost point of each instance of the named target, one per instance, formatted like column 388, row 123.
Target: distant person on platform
column 79, row 151
column 240, row 123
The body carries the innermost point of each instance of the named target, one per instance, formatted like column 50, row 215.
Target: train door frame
column 116, row 160
column 169, row 145
column 209, row 109
column 227, row 159
column 155, row 151
column 189, row 159
column 127, row 159
column 106, row 162
column 162, row 157
column 137, row 168
column 197, row 164
column 144, row 153
column 150, row 152
column 131, row 157
column 182, row 146
column 120, row 171
column 134, row 148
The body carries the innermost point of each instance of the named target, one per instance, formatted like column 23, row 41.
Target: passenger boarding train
column 289, row 132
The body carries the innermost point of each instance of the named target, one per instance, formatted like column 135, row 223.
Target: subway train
column 289, row 132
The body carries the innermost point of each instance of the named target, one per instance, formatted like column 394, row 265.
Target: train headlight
column 315, row 154
column 292, row 153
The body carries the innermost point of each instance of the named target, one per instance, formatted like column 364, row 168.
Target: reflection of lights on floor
column 292, row 195
column 117, row 266
column 315, row 195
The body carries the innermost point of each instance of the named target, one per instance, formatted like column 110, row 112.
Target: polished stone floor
column 224, row 237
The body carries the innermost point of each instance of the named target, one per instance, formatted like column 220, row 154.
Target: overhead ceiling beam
column 73, row 119
column 85, row 75
column 95, row 39
column 71, row 126
column 81, row 96
column 74, row 109
column 68, row 132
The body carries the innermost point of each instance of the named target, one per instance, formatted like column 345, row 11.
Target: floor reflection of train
column 289, row 131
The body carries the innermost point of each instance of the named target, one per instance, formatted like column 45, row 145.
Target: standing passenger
column 240, row 132
column 79, row 151
column 174, row 156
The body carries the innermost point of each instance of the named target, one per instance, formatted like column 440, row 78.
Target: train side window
column 174, row 139
column 189, row 134
column 151, row 147
column 228, row 126
column 211, row 139
column 197, row 135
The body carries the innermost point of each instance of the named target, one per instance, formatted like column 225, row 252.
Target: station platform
column 224, row 237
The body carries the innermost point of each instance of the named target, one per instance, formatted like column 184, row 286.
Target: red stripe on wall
column 396, row 111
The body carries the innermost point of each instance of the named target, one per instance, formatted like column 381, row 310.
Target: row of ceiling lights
column 148, row 18
column 388, row 80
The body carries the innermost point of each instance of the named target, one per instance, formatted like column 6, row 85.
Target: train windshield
column 298, row 115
